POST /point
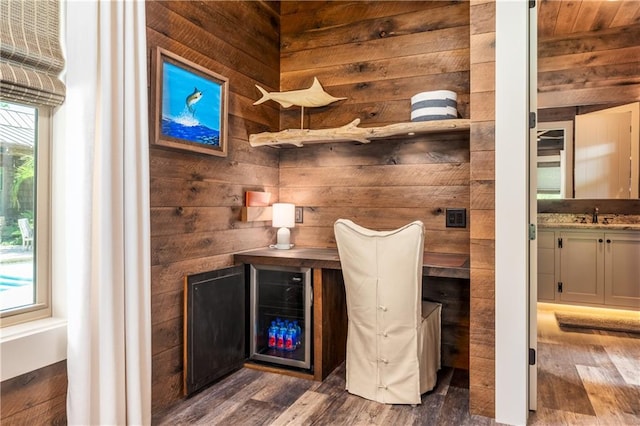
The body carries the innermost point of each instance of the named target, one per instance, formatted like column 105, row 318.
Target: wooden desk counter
column 446, row 265
column 446, row 280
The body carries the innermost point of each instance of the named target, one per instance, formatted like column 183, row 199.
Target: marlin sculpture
column 314, row 96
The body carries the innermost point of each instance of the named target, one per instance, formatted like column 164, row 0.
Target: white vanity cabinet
column 590, row 267
column 581, row 267
column 622, row 269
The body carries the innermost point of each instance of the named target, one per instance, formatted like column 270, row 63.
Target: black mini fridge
column 280, row 315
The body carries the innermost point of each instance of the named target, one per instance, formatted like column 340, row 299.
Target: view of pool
column 16, row 283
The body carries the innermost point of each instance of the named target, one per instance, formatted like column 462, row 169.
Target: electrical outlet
column 298, row 217
column 456, row 218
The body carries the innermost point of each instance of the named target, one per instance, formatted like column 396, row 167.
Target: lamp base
column 283, row 241
column 282, row 246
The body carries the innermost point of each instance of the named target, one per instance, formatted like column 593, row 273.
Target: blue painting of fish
column 190, row 106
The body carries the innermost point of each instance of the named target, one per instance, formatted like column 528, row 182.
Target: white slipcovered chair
column 393, row 337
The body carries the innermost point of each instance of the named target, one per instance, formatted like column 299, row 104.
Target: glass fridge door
column 281, row 329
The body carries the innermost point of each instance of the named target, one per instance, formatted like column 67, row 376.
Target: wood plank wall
column 38, row 397
column 482, row 147
column 378, row 55
column 593, row 67
column 605, row 207
column 196, row 199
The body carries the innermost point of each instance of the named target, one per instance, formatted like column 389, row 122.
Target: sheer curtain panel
column 106, row 260
column 31, row 57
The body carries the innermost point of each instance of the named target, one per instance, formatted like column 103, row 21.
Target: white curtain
column 103, row 247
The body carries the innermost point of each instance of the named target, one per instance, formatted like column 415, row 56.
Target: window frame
column 41, row 308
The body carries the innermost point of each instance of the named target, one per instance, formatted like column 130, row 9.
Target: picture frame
column 190, row 105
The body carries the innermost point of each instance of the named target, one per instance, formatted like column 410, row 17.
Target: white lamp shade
column 283, row 215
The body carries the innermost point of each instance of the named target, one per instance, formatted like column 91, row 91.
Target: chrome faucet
column 594, row 218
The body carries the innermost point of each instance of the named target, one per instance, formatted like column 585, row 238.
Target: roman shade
column 30, row 54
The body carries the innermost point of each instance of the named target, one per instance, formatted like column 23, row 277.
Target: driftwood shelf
column 352, row 133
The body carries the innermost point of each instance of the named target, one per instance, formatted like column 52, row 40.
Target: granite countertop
column 614, row 222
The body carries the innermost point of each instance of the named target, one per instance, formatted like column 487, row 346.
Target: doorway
column 582, row 375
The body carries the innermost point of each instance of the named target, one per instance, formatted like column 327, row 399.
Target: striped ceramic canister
column 434, row 105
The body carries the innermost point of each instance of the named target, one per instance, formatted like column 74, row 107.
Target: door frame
column 512, row 212
column 532, row 387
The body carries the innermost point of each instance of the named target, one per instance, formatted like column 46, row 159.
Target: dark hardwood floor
column 584, row 378
column 251, row 397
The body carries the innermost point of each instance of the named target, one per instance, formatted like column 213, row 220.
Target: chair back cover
column 382, row 273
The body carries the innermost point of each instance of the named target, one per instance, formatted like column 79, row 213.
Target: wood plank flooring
column 252, row 397
column 584, row 378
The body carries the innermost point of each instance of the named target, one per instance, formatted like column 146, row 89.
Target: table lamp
column 283, row 218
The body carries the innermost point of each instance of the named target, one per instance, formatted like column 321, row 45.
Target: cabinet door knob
column 599, row 240
column 608, row 240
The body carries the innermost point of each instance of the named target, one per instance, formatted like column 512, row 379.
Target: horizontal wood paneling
column 483, row 372
column 172, row 20
column 482, row 254
column 483, row 135
column 378, row 55
column 180, row 220
column 168, row 277
column 483, row 224
column 484, row 77
column 482, row 238
column 382, row 217
column 38, row 397
column 392, row 175
column 437, row 148
column 387, row 53
column 429, row 198
column 483, row 165
column 435, row 41
column 196, row 199
column 590, row 67
column 175, row 248
column 482, row 401
column 435, row 241
column 483, row 194
column 264, row 32
column 581, row 206
column 333, row 24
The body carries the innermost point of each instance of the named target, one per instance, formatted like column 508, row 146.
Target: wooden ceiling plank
column 586, row 16
column 628, row 14
column 567, row 16
column 606, row 13
column 547, row 16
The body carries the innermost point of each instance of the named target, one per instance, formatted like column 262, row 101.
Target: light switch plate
column 456, row 218
column 298, row 217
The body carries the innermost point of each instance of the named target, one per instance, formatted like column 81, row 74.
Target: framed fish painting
column 190, row 105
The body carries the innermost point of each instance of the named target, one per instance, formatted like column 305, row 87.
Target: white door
column 533, row 209
column 603, row 155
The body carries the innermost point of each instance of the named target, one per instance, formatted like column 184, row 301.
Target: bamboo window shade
column 30, row 54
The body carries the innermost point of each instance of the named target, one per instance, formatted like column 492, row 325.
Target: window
column 24, row 213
